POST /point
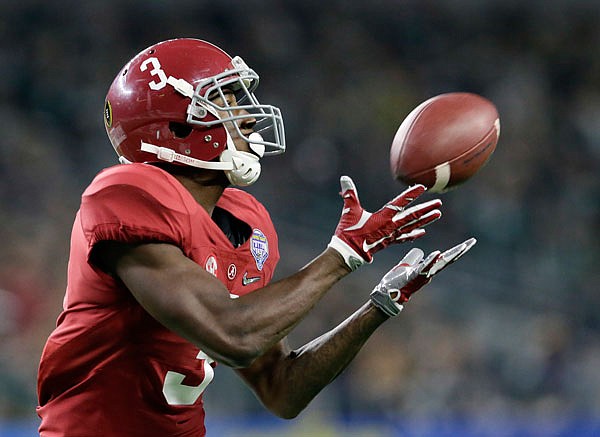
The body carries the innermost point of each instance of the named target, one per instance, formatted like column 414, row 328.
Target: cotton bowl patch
column 259, row 247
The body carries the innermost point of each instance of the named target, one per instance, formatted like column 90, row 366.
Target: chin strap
column 241, row 168
column 169, row 155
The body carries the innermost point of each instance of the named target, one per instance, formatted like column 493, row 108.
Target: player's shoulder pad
column 134, row 180
column 242, row 200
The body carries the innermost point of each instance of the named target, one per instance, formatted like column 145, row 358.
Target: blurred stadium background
column 506, row 343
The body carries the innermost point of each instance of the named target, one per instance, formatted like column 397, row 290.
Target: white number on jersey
column 177, row 393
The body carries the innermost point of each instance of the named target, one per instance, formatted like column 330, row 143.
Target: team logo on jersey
column 231, row 272
column 210, row 265
column 259, row 246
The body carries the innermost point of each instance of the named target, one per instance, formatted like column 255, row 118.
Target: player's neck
column 206, row 193
column 206, row 186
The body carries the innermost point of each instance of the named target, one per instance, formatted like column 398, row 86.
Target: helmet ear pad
column 246, row 167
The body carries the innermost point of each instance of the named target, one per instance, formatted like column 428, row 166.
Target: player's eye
column 230, row 97
column 224, row 97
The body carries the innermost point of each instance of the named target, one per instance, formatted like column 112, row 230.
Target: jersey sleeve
column 130, row 204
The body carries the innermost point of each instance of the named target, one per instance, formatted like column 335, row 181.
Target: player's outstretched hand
column 359, row 233
column 411, row 274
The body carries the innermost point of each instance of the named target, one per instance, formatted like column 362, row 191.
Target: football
column 445, row 140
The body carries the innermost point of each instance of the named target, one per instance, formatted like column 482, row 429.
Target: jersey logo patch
column 210, row 265
column 231, row 272
column 259, row 247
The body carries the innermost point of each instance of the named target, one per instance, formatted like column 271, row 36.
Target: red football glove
column 360, row 233
column 411, row 274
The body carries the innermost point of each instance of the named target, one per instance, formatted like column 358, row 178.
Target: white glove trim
column 352, row 259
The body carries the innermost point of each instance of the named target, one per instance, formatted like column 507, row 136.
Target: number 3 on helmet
column 158, row 109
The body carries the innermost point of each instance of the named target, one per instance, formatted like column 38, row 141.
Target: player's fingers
column 439, row 264
column 459, row 250
column 347, row 184
column 468, row 245
column 409, row 236
column 348, row 192
column 451, row 255
column 412, row 258
column 424, row 220
column 414, row 213
column 407, row 196
column 429, row 262
column 410, row 224
column 414, row 229
column 410, row 194
column 405, row 270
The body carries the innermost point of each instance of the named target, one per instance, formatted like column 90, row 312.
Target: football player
column 170, row 266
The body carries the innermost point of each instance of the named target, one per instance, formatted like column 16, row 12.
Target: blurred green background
column 505, row 343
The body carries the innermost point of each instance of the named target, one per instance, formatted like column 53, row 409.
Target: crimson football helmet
column 164, row 106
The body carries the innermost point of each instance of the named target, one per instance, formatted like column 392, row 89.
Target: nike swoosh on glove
column 360, row 234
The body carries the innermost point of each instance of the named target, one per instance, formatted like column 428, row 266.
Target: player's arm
column 287, row 380
column 191, row 302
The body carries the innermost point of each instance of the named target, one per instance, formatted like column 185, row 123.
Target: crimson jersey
column 109, row 368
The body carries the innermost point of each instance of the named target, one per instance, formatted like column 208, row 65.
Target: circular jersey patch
column 231, row 272
column 210, row 265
